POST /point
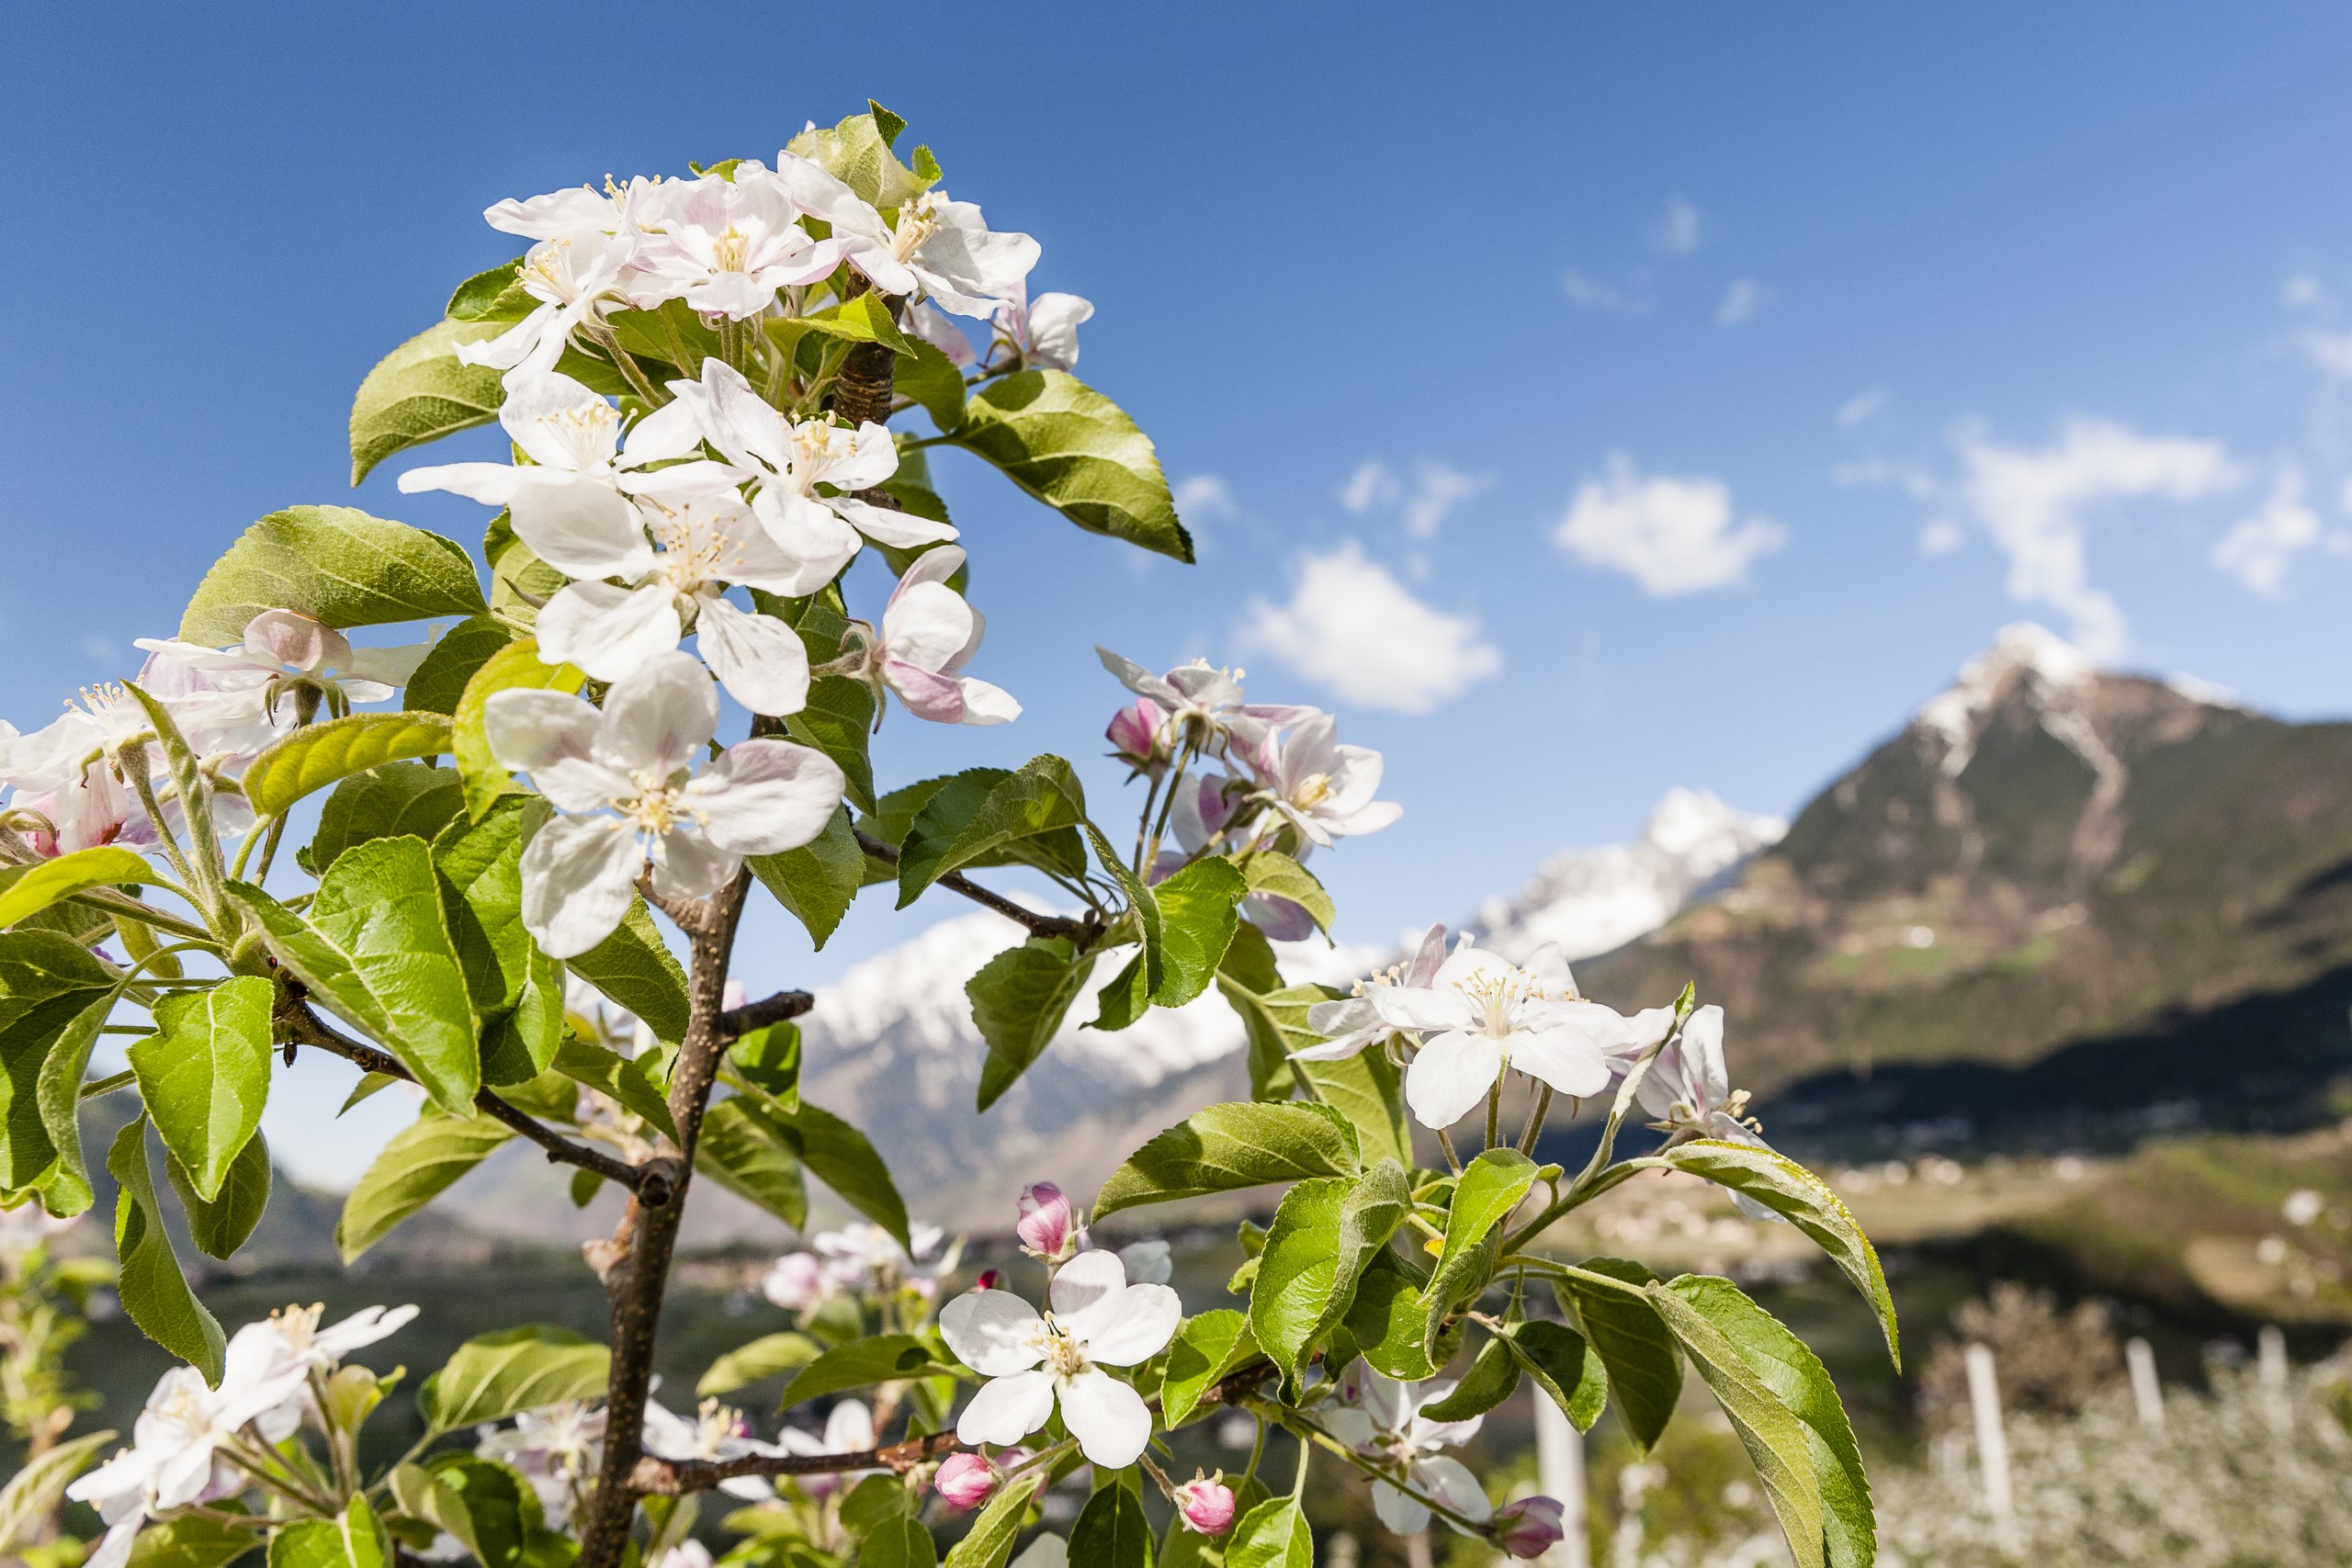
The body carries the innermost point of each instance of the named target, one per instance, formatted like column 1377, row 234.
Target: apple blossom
column 686, row 1555
column 990, row 1279
column 1034, row 1361
column 1529, row 1527
column 576, row 279
column 849, row 1429
column 930, row 323
column 1382, row 1418
column 623, row 784
column 1216, row 813
column 1047, row 1226
column 864, row 1260
column 1483, row 1017
column 795, row 1282
column 1137, row 735
column 1688, row 1090
column 965, row 1481
column 1044, row 330
column 284, row 650
column 1202, row 705
column 1325, row 788
column 716, row 1434
column 579, row 211
column 556, row 1448
column 934, row 247
column 1351, row 1024
column 725, row 245
column 1206, row 1507
column 928, row 633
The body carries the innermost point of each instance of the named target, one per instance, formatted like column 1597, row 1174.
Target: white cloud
column 2034, row 502
column 1861, row 406
column 2331, row 351
column 1371, row 485
column 2304, row 292
column 1594, row 295
column 1741, row 301
column 1917, row 483
column 1438, row 489
column 1350, row 626
column 1941, row 537
column 2259, row 547
column 1203, row 496
column 1682, row 230
column 1671, row 534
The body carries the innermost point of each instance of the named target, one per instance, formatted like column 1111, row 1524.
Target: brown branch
column 305, row 1027
column 1081, row 931
column 736, row 1022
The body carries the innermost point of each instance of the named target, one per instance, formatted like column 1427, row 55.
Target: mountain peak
column 2046, row 667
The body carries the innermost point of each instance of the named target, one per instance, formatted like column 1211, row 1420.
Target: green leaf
column 205, row 1075
column 763, row 1358
column 839, row 721
column 635, row 970
column 194, row 1540
column 899, row 1542
column 1225, row 1147
column 519, row 584
column 1493, row 1377
column 769, row 1059
column 1806, row 1201
column 1198, row 911
column 154, row 1292
column 1126, row 999
column 1389, row 1320
column 489, row 1507
column 355, row 1538
column 744, row 1150
column 839, row 1155
column 1274, row 1534
column 1141, row 905
column 1367, row 1089
column 48, row 987
column 990, row 1541
column 857, row 153
column 1779, row 1444
column 516, row 667
column 1276, row 1024
column 220, row 1223
column 817, row 882
column 397, row 798
column 1490, row 1188
column 419, row 392
column 617, row 1078
column 984, row 816
column 1075, row 450
column 335, row 564
column 1324, row 1234
column 1564, row 1366
column 29, row 890
column 1794, row 1377
column 933, row 380
column 862, row 319
column 494, row 294
column 318, row 754
column 494, row 1375
column 1019, row 1001
column 1210, row 1345
column 34, row 1492
column 517, row 989
column 1111, row 1532
column 860, row 1363
column 376, row 950
column 57, row 1093
column 1607, row 1296
column 1274, row 875
column 418, row 1165
column 436, row 683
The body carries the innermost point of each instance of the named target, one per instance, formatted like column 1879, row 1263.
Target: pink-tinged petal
column 282, row 636
column 1450, row 1482
column 658, row 719
column 761, row 662
column 493, row 484
column 1046, row 1218
column 609, row 632
column 1138, row 679
column 899, row 530
column 1451, row 1075
column 990, row 1331
column 687, row 864
column 764, row 797
column 1009, row 1409
column 926, row 694
column 1089, row 1279
column 551, row 736
column 578, row 876
column 1281, row 920
column 985, row 704
column 1129, row 1328
column 582, row 528
column 927, row 624
column 1109, row 1419
column 1054, row 320
column 820, row 193
column 929, row 324
column 1428, row 958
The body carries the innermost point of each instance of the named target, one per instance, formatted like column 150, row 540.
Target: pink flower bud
column 990, row 1279
column 1206, row 1505
column 1045, row 1223
column 965, row 1481
column 1135, row 735
column 1529, row 1527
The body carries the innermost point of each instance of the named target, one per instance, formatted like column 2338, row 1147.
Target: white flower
column 1485, row 1016
column 849, row 1429
column 1349, row 1025
column 795, row 1282
column 576, row 277
column 171, row 1462
column 624, row 784
column 1098, row 1320
column 580, row 212
column 310, row 1347
column 556, row 1448
column 725, row 245
column 865, row 1260
column 716, row 1434
column 1044, row 330
column 687, row 1555
column 1204, row 704
column 935, row 247
column 1688, row 1088
column 1324, row 788
column 1383, row 1418
column 928, row 633
column 929, row 323
column 676, row 586
column 285, row 648
column 567, row 503
column 785, row 462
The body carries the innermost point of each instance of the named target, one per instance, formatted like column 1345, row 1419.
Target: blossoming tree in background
column 711, row 383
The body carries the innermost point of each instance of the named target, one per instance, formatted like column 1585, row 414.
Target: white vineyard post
column 2147, row 1394
column 1992, row 1447
column 2270, row 1363
column 1559, row 1474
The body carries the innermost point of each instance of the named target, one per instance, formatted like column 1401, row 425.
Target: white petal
column 493, row 484
column 1398, row 1512
column 658, row 720
column 609, row 632
column 1108, row 1418
column 578, row 876
column 985, row 704
column 582, row 528
column 1413, row 1007
column 766, row 797
column 551, row 736
column 1452, row 1074
column 927, row 624
column 761, row 662
column 1131, row 1326
column 807, row 532
column 990, row 1332
column 673, row 430
column 686, row 865
column 1565, row 1058
column 900, row 530
column 113, row 1550
column 1450, row 1482
column 1009, row 1409
column 1089, row 1279
column 1702, row 1049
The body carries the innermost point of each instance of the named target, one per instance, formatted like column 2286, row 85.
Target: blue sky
column 1830, row 341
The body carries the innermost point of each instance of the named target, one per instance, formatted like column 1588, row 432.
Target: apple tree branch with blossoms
column 708, row 381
